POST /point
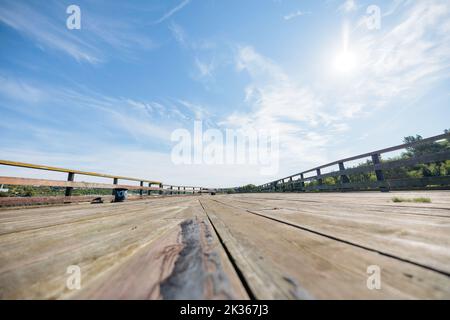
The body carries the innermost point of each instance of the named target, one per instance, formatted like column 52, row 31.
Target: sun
column 346, row 62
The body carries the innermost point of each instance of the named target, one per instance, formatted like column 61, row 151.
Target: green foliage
column 30, row 191
column 425, row 148
column 417, row 200
column 331, row 180
column 249, row 188
column 440, row 168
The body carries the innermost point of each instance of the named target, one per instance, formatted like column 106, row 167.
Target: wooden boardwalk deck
column 264, row 246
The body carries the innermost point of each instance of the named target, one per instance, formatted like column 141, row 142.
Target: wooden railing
column 296, row 182
column 145, row 186
column 299, row 182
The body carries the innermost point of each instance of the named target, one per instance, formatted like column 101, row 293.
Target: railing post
column 302, row 183
column 141, row 191
column 291, row 185
column 379, row 173
column 319, row 181
column 149, row 191
column 115, row 181
column 161, row 192
column 171, row 190
column 70, row 178
column 344, row 178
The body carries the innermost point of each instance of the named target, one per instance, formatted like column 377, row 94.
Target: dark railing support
column 344, row 178
column 149, row 191
column 302, row 183
column 141, row 191
column 70, row 177
column 115, row 181
column 160, row 187
column 379, row 173
column 319, row 180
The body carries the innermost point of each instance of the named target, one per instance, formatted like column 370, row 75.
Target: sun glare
column 346, row 62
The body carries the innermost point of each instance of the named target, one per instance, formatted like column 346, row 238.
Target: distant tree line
column 31, row 191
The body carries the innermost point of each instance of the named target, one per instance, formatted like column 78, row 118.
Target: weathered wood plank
column 124, row 251
column 166, row 248
column 421, row 239
column 280, row 261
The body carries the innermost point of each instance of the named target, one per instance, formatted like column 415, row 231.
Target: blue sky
column 108, row 96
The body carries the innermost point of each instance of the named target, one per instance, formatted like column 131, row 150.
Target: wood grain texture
column 280, row 261
column 267, row 246
column 124, row 250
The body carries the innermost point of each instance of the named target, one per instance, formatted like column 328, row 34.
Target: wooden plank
column 137, row 243
column 18, row 220
column 370, row 199
column 186, row 263
column 166, row 248
column 280, row 261
column 34, row 262
column 420, row 239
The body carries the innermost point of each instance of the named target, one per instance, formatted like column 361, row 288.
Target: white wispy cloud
column 172, row 11
column 139, row 121
column 394, row 6
column 402, row 60
column 205, row 69
column 20, row 90
column 348, row 6
column 98, row 39
column 206, row 56
column 124, row 36
column 178, row 33
column 273, row 93
column 276, row 101
column 296, row 14
column 118, row 138
column 397, row 64
column 38, row 27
